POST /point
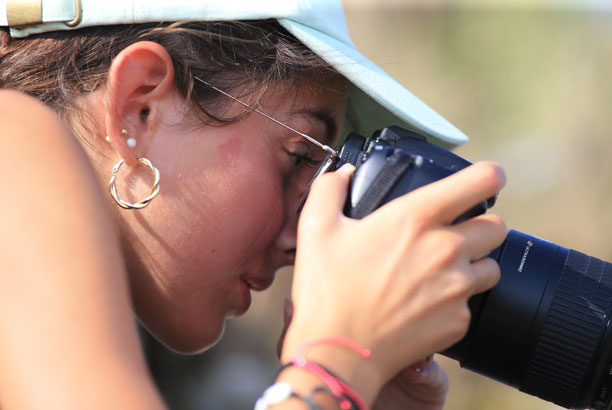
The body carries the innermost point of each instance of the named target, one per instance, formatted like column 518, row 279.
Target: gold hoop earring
column 138, row 205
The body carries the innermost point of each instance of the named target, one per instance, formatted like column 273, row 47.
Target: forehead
column 311, row 101
column 306, row 94
column 318, row 104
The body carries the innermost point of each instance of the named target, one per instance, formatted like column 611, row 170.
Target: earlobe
column 140, row 79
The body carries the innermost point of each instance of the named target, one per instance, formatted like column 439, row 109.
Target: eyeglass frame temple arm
column 326, row 148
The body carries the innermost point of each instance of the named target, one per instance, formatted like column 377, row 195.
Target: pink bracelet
column 364, row 352
column 338, row 388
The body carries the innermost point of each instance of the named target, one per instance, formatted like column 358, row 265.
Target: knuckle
column 459, row 286
column 499, row 222
column 496, row 228
column 461, row 322
column 494, row 271
column 451, row 248
column 414, row 224
column 503, row 229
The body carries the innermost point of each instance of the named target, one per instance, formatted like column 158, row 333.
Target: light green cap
column 375, row 99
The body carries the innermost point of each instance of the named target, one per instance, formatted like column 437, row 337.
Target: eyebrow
column 325, row 117
column 332, row 152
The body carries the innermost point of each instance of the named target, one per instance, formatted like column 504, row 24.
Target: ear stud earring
column 131, row 142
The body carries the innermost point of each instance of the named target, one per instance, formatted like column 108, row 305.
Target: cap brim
column 375, row 100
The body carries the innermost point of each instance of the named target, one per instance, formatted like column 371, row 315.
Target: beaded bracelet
column 278, row 393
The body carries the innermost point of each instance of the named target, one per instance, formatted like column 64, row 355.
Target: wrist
column 309, row 388
column 360, row 373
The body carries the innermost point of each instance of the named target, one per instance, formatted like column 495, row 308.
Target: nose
column 286, row 240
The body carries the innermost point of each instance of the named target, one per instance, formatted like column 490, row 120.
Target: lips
column 246, row 285
column 248, row 282
column 257, row 284
column 245, row 299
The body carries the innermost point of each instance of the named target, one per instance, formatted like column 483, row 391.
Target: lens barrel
column 545, row 327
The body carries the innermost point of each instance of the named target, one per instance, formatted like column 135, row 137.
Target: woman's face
column 225, row 218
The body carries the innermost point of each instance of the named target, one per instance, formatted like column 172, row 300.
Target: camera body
column 545, row 327
column 393, row 162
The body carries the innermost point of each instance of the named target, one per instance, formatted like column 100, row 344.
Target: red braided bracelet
column 340, row 390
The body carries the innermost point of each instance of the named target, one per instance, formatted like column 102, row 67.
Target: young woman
column 200, row 211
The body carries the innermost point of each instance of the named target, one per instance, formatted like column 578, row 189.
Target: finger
column 287, row 316
column 432, row 375
column 486, row 274
column 447, row 198
column 422, row 364
column 328, row 192
column 482, row 234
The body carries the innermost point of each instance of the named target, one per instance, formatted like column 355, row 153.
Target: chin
column 189, row 340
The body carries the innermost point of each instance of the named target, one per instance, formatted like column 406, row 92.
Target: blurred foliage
column 532, row 90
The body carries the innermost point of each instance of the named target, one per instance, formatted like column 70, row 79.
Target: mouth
column 290, row 257
column 246, row 285
column 245, row 300
column 257, row 284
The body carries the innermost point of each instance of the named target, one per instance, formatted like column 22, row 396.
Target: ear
column 140, row 79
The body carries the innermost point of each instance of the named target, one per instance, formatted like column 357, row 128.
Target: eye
column 303, row 160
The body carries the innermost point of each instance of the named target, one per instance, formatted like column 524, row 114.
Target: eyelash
column 300, row 160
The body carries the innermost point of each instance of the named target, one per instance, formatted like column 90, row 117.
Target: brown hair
column 246, row 57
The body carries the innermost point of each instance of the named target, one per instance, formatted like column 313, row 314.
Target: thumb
column 328, row 193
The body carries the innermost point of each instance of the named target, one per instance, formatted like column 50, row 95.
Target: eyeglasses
column 332, row 154
column 324, row 147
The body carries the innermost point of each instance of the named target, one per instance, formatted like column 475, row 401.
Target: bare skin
column 425, row 275
column 77, row 296
column 64, row 300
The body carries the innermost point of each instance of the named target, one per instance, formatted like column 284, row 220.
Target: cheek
column 230, row 152
column 260, row 207
column 253, row 194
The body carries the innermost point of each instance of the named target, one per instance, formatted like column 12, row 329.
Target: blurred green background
column 528, row 81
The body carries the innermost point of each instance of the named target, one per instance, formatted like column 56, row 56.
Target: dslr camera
column 545, row 327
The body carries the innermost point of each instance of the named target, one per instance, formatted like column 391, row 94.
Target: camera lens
column 545, row 327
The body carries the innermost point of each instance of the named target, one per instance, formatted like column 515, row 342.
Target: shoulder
column 49, row 190
column 40, row 159
column 27, row 124
column 16, row 106
column 61, row 264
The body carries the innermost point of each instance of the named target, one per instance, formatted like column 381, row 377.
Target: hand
column 396, row 281
column 422, row 386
